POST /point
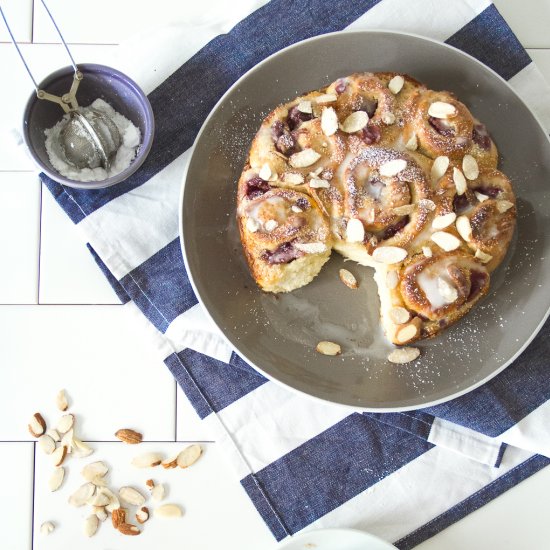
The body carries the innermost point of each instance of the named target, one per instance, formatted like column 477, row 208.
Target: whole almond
column 168, row 511
column 37, row 425
column 129, row 436
column 142, row 515
column 131, row 496
column 56, row 479
column 61, row 401
column 118, row 517
column 128, row 529
column 189, row 456
column 90, row 525
column 147, row 460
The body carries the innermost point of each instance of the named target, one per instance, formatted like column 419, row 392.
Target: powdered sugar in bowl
column 109, row 91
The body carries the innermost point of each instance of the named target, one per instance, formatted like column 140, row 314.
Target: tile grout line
column 40, row 245
column 32, row 22
column 33, row 490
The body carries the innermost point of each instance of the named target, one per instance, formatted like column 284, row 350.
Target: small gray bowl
column 99, row 81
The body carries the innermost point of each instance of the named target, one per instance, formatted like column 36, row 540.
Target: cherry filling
column 283, row 254
column 370, row 134
column 340, row 86
column 478, row 280
column 369, row 106
column 441, row 127
column 480, row 135
column 490, row 191
column 284, row 142
column 255, row 187
column 395, row 228
column 461, row 203
column 296, row 117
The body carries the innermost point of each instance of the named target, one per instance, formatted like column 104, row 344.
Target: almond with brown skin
column 37, row 425
column 142, row 515
column 128, row 529
column 171, row 462
column 118, row 517
column 58, row 456
column 129, row 436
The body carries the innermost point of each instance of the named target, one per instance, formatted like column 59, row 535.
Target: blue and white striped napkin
column 402, row 476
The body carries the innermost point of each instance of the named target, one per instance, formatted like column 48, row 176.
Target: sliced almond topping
column 296, row 209
column 396, row 83
column 392, row 167
column 329, row 121
column 328, row 348
column 470, row 167
column 427, row 251
column 483, row 256
column 54, row 435
column 504, row 206
column 46, row 528
column 82, row 495
column 399, row 315
column 92, row 471
column 128, row 529
column 406, row 334
column 412, row 144
column 157, row 493
column 355, row 232
column 355, row 122
column 304, row 158
column 389, row 254
column 118, row 517
column 56, row 479
column 128, row 436
column 445, row 240
column 304, row 107
column 47, row 444
column 392, row 279
column 252, row 225
column 61, row 401
column 265, row 172
column 481, row 197
column 99, row 499
column 37, row 425
column 292, row 178
column 311, row 248
column 142, row 515
column 65, row 423
column 439, row 167
column 58, row 456
column 427, row 204
column 440, row 222
column 316, row 172
column 441, row 109
column 319, row 183
column 270, row 225
column 189, row 456
column 459, row 181
column 388, row 118
column 348, row 278
column 325, row 98
column 91, row 523
column 68, row 441
column 464, row 228
column 403, row 355
column 114, row 504
column 131, row 496
column 447, row 291
column 404, row 210
column 168, row 511
column 100, row 512
column 147, row 460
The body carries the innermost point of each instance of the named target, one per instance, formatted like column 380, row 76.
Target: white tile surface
column 19, row 16
column 99, row 354
column 68, row 272
column 16, row 461
column 19, row 237
column 189, row 426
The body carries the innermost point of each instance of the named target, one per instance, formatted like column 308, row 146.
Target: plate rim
column 352, row 408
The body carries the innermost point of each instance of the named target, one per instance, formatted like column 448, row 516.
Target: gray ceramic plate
column 277, row 334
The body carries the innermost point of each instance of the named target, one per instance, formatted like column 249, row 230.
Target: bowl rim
column 144, row 148
column 183, row 243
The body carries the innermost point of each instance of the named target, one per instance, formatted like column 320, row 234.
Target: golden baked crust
column 390, row 174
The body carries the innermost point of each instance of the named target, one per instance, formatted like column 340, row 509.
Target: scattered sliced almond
column 68, row 440
column 412, row 143
column 483, row 256
column 355, row 232
column 92, row 471
column 81, row 449
column 427, row 251
column 403, row 355
column 459, row 181
column 58, row 456
column 129, row 436
column 311, row 248
column 392, row 167
column 46, row 528
column 439, row 167
column 128, row 529
column 265, row 172
column 100, row 512
column 348, row 278
column 316, row 172
column 157, row 493
column 252, row 225
column 168, row 511
column 441, row 109
column 304, row 158
column 114, row 503
column 142, row 515
column 404, row 210
column 118, row 517
column 396, row 83
column 99, row 499
column 389, row 254
column 464, row 228
column 447, row 291
column 504, row 206
column 399, row 315
column 296, row 209
column 326, row 98
column 444, row 220
column 406, row 334
column 328, row 348
column 167, row 463
column 304, row 107
column 151, row 484
column 65, row 423
column 427, row 204
column 481, row 197
column 329, row 121
column 319, row 183
column 91, row 523
column 189, row 456
column 392, row 279
column 61, row 401
column 37, row 425
column 355, row 122
column 46, row 443
column 470, row 167
column 131, row 496
column 54, row 435
column 445, row 240
column 82, row 495
column 388, row 118
column 270, row 225
column 56, row 479
column 147, row 460
column 292, row 178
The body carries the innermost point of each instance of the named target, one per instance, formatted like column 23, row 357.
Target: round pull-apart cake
column 391, row 175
